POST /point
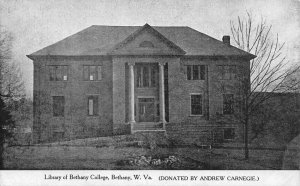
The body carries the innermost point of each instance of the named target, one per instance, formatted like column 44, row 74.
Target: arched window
column 146, row 44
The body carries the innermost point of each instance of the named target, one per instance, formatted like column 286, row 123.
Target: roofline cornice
column 216, row 57
column 213, row 57
column 56, row 57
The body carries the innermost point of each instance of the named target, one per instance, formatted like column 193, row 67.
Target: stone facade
column 120, row 107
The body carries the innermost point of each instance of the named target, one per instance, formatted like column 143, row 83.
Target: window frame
column 95, row 107
column 190, row 105
column 54, row 71
column 223, row 104
column 55, row 112
column 152, row 71
column 98, row 70
column 232, row 71
column 190, row 69
column 229, row 139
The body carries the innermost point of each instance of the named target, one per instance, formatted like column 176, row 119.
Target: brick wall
column 194, row 128
column 113, row 98
column 76, row 123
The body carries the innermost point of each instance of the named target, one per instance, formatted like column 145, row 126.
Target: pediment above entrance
column 146, row 41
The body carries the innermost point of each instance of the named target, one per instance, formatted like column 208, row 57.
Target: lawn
column 136, row 157
column 67, row 157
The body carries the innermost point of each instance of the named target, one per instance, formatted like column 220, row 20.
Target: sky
column 36, row 24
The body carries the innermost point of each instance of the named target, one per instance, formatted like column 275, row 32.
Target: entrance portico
column 139, row 65
column 146, row 99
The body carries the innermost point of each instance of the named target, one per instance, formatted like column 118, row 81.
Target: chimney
column 226, row 40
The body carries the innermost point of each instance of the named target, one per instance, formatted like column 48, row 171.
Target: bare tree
column 292, row 82
column 268, row 71
column 11, row 88
column 5, row 52
column 11, row 83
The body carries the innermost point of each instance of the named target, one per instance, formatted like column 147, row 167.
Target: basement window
column 229, row 133
column 58, row 136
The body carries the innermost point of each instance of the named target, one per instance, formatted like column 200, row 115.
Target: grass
column 267, row 159
column 91, row 157
column 66, row 157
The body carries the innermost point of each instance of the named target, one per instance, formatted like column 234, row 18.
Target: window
column 196, row 104
column 146, row 76
column 58, row 105
column 228, row 103
column 195, row 72
column 93, row 105
column 227, row 72
column 57, row 136
column 58, row 73
column 229, row 133
column 92, row 73
column 146, row 44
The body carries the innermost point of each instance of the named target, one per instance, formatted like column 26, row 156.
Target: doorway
column 146, row 109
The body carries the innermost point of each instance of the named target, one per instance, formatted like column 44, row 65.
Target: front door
column 146, row 109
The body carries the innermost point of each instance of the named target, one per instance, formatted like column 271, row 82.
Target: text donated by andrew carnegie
column 148, row 177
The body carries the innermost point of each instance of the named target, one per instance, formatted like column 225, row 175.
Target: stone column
column 131, row 93
column 162, row 93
